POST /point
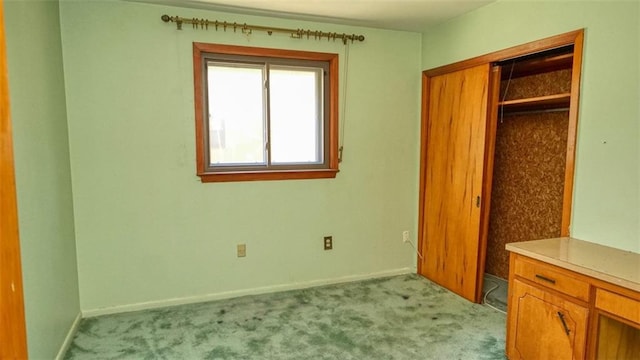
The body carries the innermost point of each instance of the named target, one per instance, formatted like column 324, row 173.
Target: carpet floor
column 401, row 317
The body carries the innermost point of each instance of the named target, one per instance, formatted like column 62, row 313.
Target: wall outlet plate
column 328, row 242
column 405, row 236
column 242, row 250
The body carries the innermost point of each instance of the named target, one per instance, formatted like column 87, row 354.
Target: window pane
column 236, row 115
column 296, row 115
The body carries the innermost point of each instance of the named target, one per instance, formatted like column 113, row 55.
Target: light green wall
column 42, row 173
column 607, row 180
column 148, row 230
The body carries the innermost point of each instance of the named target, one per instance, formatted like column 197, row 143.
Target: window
column 265, row 114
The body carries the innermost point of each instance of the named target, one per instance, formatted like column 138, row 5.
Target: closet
column 530, row 153
column 497, row 158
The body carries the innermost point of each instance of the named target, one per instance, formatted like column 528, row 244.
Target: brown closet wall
column 529, row 169
column 555, row 82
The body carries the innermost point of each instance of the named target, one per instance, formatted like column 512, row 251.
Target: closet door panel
column 454, row 162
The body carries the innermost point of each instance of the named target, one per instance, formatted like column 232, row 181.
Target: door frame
column 574, row 38
column 13, row 335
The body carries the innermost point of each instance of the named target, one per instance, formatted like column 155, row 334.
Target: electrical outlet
column 405, row 236
column 328, row 242
column 242, row 250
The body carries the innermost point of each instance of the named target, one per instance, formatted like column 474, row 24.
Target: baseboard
column 237, row 293
column 69, row 338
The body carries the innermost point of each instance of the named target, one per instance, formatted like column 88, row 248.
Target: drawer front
column 546, row 276
column 619, row 305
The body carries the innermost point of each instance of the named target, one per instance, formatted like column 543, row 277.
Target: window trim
column 330, row 166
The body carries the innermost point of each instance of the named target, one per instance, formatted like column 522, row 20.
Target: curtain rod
column 247, row 29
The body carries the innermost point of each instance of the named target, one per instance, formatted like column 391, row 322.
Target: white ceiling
column 410, row 15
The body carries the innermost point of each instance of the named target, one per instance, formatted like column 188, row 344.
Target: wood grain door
column 453, row 167
column 13, row 344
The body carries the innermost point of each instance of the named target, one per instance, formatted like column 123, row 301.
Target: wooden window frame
column 327, row 169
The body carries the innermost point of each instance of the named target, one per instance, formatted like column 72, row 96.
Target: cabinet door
column 453, row 170
column 544, row 326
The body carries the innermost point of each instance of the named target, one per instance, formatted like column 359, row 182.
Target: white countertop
column 605, row 263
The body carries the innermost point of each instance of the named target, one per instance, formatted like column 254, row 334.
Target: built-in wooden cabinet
column 570, row 299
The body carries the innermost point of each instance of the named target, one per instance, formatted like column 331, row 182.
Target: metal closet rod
column 526, row 112
column 247, row 29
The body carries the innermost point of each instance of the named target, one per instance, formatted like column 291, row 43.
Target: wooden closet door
column 453, row 168
column 13, row 342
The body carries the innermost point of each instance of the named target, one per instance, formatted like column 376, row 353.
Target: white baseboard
column 69, row 338
column 237, row 293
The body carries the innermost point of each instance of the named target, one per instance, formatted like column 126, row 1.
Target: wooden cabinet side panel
column 511, row 306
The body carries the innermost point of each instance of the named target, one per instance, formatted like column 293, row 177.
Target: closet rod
column 525, row 112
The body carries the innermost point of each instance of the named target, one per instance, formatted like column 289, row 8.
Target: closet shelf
column 537, row 65
column 537, row 103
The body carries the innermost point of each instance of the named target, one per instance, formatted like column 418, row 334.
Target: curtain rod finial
column 165, row 18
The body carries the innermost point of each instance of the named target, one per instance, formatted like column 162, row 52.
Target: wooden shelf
column 537, row 65
column 548, row 102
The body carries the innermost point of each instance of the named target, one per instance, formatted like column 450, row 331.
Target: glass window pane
column 236, row 115
column 296, row 115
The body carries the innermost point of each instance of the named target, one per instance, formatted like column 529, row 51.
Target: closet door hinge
column 478, row 201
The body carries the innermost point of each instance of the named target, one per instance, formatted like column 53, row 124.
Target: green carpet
column 402, row 317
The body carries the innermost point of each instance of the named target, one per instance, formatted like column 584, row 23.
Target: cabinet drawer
column 551, row 278
column 618, row 305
